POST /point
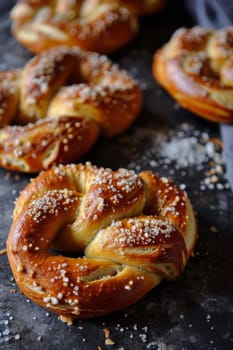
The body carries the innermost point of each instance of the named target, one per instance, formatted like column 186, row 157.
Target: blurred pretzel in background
column 196, row 68
column 95, row 25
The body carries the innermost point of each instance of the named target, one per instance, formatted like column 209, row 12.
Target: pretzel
column 131, row 231
column 196, row 68
column 94, row 25
column 54, row 123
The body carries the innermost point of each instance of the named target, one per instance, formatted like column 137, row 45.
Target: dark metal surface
column 194, row 312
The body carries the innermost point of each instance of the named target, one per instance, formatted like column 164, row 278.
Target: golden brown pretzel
column 63, row 122
column 196, row 68
column 94, row 25
column 134, row 230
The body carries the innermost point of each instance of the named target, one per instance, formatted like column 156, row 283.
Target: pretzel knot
column 134, row 230
column 196, row 68
column 94, row 25
column 67, row 98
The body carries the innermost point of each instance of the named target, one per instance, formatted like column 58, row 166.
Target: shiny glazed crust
column 196, row 68
column 94, row 25
column 133, row 230
column 63, row 99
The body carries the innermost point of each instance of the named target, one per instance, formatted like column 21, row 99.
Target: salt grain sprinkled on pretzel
column 133, row 230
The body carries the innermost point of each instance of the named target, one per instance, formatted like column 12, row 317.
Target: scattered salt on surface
column 182, row 150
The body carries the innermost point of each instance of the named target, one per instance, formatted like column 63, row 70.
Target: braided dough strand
column 54, row 86
column 196, row 68
column 134, row 230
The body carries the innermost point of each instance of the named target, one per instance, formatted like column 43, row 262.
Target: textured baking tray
column 195, row 311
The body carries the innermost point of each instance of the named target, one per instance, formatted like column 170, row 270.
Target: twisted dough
column 96, row 25
column 63, row 122
column 134, row 231
column 196, row 68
